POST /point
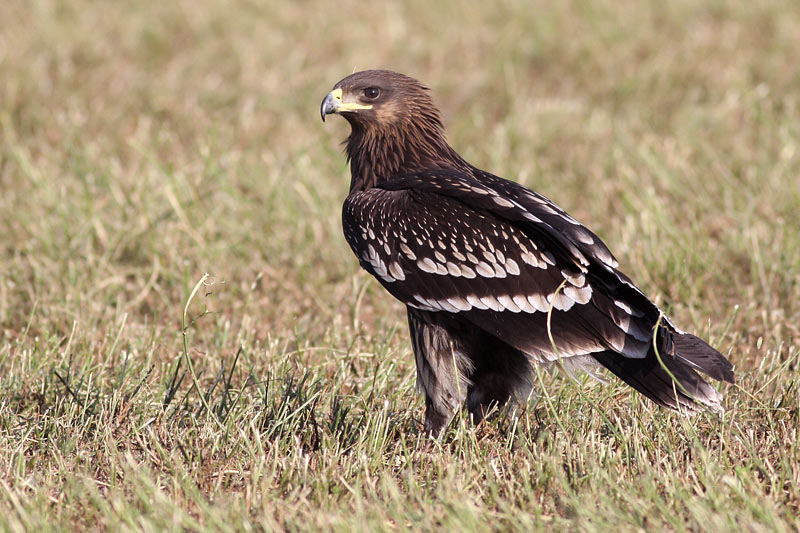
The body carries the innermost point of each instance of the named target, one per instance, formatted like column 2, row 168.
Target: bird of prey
column 495, row 277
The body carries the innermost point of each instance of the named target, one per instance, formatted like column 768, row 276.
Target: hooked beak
column 333, row 103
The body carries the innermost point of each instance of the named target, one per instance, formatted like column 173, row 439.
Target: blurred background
column 143, row 144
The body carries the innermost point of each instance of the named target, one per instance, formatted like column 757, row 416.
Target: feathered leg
column 443, row 366
column 501, row 374
column 457, row 362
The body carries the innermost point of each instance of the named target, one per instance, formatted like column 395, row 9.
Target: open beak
column 333, row 103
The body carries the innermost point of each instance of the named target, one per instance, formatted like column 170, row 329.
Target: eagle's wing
column 553, row 216
column 508, row 261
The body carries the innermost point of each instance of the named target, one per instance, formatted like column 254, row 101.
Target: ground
column 145, row 144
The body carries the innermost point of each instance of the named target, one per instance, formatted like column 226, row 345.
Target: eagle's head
column 395, row 126
column 380, row 99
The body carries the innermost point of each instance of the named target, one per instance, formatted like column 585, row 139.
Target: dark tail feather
column 650, row 378
column 699, row 355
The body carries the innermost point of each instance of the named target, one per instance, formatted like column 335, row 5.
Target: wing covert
column 440, row 243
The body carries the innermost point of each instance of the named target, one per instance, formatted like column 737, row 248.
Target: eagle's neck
column 377, row 154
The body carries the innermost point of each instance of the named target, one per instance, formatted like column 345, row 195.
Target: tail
column 680, row 355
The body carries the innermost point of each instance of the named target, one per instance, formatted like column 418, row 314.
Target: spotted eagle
column 495, row 277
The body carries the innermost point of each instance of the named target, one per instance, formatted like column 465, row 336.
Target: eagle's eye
column 372, row 93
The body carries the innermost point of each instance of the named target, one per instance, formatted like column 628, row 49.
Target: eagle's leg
column 441, row 345
column 502, row 376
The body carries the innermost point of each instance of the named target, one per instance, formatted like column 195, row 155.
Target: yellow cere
column 346, row 106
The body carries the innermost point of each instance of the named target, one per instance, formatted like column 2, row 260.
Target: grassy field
column 145, row 144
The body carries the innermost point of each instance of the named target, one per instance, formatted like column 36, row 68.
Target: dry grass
column 143, row 145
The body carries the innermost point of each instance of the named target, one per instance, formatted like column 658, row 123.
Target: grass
column 144, row 145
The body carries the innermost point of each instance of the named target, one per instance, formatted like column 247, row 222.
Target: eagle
column 495, row 277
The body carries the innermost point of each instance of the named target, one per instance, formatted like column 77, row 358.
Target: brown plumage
column 403, row 133
column 495, row 276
